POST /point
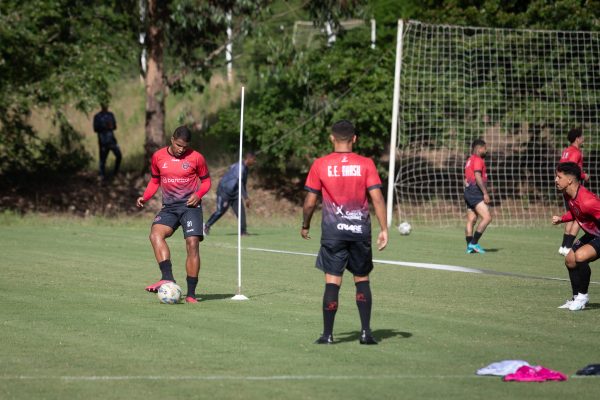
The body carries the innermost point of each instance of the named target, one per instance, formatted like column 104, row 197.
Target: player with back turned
column 572, row 154
column 345, row 180
column 183, row 176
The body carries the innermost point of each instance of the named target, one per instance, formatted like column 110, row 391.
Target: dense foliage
column 53, row 53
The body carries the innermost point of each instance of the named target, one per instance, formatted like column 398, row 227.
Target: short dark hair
column 183, row 133
column 574, row 133
column 569, row 168
column 343, row 130
column 477, row 143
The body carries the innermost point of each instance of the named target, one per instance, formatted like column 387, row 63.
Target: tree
column 53, row 53
column 183, row 37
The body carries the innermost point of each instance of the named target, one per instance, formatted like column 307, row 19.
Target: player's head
column 250, row 158
column 478, row 147
column 575, row 134
column 567, row 174
column 343, row 131
column 104, row 106
column 180, row 141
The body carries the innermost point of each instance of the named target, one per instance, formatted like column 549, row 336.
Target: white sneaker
column 563, row 251
column 567, row 304
column 579, row 302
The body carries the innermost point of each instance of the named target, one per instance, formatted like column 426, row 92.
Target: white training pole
column 239, row 295
column 394, row 133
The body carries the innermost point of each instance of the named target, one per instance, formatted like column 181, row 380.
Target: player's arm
column 150, row 191
column 381, row 214
column 481, row 185
column 308, row 209
column 196, row 198
column 566, row 217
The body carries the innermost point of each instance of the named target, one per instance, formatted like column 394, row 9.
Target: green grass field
column 75, row 321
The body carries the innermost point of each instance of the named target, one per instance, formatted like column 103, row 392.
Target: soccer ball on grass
column 404, row 228
column 169, row 293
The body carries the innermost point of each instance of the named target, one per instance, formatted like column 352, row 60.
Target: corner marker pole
column 239, row 295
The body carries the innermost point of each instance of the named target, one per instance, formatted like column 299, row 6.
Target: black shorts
column 592, row 240
column 189, row 218
column 473, row 196
column 337, row 255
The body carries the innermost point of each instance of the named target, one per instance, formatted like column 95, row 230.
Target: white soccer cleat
column 563, row 251
column 579, row 302
column 567, row 304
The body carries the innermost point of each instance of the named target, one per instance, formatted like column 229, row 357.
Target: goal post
column 519, row 90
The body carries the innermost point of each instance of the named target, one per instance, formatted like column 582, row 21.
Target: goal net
column 519, row 90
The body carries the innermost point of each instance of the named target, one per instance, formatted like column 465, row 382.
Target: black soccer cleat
column 325, row 339
column 366, row 338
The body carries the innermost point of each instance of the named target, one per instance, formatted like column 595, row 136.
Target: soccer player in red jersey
column 345, row 180
column 476, row 196
column 572, row 154
column 583, row 207
column 183, row 177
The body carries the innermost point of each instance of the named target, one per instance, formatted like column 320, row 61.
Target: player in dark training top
column 345, row 180
column 572, row 154
column 583, row 207
column 183, row 177
column 476, row 196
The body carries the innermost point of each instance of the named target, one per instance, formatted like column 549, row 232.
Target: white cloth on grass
column 502, row 368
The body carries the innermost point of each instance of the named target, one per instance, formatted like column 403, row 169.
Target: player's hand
column 304, row 233
column 140, row 202
column 193, row 201
column 556, row 220
column 247, row 202
column 586, row 177
column 486, row 198
column 382, row 240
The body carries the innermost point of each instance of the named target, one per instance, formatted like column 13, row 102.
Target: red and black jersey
column 475, row 164
column 179, row 177
column 343, row 180
column 573, row 154
column 585, row 209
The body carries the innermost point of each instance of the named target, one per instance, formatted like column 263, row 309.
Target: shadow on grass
column 592, row 306
column 492, row 250
column 216, row 296
column 379, row 334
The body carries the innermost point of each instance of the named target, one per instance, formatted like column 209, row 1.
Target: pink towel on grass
column 535, row 374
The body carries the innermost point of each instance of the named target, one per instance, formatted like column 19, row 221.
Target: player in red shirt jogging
column 183, row 176
column 344, row 179
column 583, row 207
column 572, row 154
column 476, row 196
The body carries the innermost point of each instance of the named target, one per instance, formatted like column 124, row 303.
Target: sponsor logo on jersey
column 352, row 228
column 344, row 159
column 165, row 165
column 174, row 180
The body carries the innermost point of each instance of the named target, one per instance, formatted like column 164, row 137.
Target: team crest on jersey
column 157, row 218
column 185, row 165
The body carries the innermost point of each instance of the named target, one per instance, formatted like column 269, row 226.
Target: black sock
column 167, row 270
column 568, row 242
column 585, row 274
column 330, row 306
column 191, row 284
column 575, row 279
column 469, row 238
column 476, row 237
column 364, row 302
column 564, row 242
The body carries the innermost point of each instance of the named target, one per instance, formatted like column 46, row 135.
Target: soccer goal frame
column 519, row 90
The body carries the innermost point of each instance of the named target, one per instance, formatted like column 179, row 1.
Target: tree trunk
column 156, row 87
